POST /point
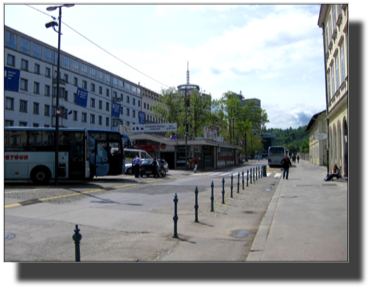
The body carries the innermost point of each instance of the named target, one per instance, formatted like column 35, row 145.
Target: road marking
column 277, row 175
column 269, row 174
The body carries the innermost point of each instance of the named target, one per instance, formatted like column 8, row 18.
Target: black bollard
column 232, row 184
column 242, row 179
column 196, row 204
column 223, row 190
column 238, row 183
column 212, row 196
column 175, row 217
column 77, row 237
column 256, row 173
column 250, row 175
column 247, row 178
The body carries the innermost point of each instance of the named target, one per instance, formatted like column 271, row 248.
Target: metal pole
column 232, row 184
column 238, row 183
column 196, row 204
column 223, row 190
column 186, row 127
column 57, row 99
column 247, row 177
column 175, row 218
column 77, row 237
column 242, row 179
column 212, row 196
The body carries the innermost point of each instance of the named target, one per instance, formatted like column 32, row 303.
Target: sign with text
column 169, row 127
column 115, row 109
column 210, row 134
column 81, row 98
column 11, row 79
column 320, row 136
column 141, row 118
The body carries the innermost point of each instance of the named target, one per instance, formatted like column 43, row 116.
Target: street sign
column 169, row 127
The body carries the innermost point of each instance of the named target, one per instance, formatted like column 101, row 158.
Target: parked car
column 165, row 164
column 130, row 154
column 146, row 168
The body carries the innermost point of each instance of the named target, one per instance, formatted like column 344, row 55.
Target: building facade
column 333, row 19
column 317, row 129
column 89, row 97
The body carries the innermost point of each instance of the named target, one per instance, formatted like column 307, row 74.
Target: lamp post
column 57, row 112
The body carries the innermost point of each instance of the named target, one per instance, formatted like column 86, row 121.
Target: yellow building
column 317, row 129
column 333, row 19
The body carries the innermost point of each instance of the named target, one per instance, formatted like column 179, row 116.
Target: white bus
column 30, row 154
column 275, row 155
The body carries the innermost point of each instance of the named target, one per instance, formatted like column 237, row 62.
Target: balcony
column 61, row 81
column 117, row 99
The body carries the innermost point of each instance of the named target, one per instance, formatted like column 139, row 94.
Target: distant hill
column 296, row 140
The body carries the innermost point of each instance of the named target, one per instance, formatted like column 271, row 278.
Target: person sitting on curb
column 336, row 173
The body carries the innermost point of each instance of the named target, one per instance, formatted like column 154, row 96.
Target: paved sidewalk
column 306, row 219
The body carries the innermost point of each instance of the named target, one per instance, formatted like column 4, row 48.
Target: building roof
column 314, row 118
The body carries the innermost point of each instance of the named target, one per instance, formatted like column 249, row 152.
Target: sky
column 270, row 52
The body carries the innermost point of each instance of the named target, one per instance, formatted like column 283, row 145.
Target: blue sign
column 81, row 98
column 11, row 79
column 116, row 109
column 141, row 118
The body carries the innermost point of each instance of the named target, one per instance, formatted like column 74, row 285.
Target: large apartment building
column 333, row 19
column 89, row 97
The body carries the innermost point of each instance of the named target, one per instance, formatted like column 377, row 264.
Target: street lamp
column 48, row 25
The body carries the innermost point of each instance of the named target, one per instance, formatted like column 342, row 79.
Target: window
column 11, row 60
column 127, row 112
column 75, row 66
column 66, row 62
column 84, row 69
column 11, row 40
column 133, row 113
column 47, row 55
column 107, row 106
column 144, row 105
column 332, row 79
column 107, row 121
column 84, row 84
column 47, row 90
column 100, row 120
column 36, row 108
column 138, row 102
column 9, row 123
column 37, row 51
column 23, row 124
column 25, row 46
column 121, row 85
column 115, row 122
column 107, row 92
column 36, row 88
column 47, row 72
column 114, row 82
column 343, row 75
column 92, row 87
column 35, row 125
column 92, row 103
column 107, row 79
column 36, row 68
column 334, row 16
column 134, row 102
column 100, row 76
column 9, row 103
column 337, row 79
column 100, row 90
column 100, row 104
column 24, row 64
column 46, row 126
column 75, row 81
column 127, row 99
column 75, row 115
column 121, row 97
column 84, row 117
column 92, row 73
column 66, row 77
column 92, row 118
column 47, row 110
column 23, row 106
column 328, row 87
column 127, row 87
column 23, row 84
column 121, row 110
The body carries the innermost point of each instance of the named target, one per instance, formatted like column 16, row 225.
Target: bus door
column 116, row 157
column 77, row 159
column 101, row 159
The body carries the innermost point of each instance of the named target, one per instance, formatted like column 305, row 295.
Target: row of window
column 337, row 72
column 46, row 54
column 334, row 18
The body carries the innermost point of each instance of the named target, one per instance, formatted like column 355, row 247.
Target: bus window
column 16, row 140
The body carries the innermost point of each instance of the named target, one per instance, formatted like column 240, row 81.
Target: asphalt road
column 127, row 219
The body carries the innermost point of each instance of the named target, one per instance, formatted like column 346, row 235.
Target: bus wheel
column 40, row 175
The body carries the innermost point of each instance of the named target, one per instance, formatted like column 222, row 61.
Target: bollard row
column 252, row 174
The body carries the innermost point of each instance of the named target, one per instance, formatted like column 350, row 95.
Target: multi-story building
column 317, row 129
column 89, row 96
column 333, row 19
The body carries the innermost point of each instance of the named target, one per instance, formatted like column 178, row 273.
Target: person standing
column 298, row 158
column 195, row 162
column 286, row 164
column 136, row 166
column 154, row 167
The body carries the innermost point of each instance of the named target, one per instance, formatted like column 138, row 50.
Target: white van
column 129, row 156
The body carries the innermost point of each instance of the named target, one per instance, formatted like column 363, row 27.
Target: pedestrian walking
column 136, row 166
column 298, row 158
column 293, row 158
column 286, row 164
column 195, row 162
